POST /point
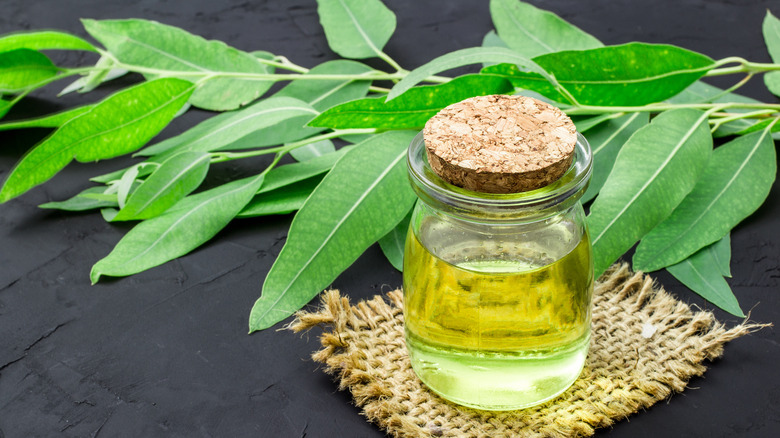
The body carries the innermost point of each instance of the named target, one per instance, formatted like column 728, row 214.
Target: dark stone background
column 165, row 352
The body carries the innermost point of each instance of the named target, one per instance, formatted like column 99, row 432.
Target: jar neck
column 524, row 206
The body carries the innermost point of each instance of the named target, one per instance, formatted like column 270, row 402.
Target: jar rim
column 430, row 187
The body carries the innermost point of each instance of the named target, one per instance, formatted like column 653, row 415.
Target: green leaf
column 323, row 94
column 187, row 225
column 224, row 129
column 626, row 75
column 771, row 30
column 393, row 243
column 653, row 172
column 356, row 28
column 701, row 273
column 413, row 108
column 120, row 124
column 734, row 184
column 51, row 121
column 295, row 172
column 459, row 58
column 359, row 201
column 5, row 106
column 605, row 140
column 81, row 202
column 125, row 183
column 24, row 68
column 491, row 39
column 531, row 31
column 169, row 51
column 44, row 40
column 313, row 150
column 174, row 179
column 585, row 123
column 772, row 82
column 721, row 252
column 280, row 201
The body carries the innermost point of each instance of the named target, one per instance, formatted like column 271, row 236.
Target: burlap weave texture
column 645, row 345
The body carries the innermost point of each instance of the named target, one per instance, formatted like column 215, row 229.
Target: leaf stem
column 656, row 107
column 274, row 77
column 732, row 117
column 218, row 157
column 744, row 66
column 385, row 57
column 283, row 62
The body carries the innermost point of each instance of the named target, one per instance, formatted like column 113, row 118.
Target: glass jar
column 497, row 287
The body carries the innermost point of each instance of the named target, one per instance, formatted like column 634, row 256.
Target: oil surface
column 502, row 327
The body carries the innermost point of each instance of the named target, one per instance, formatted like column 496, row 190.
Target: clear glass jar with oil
column 497, row 287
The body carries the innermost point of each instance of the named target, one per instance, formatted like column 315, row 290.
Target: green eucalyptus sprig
column 650, row 121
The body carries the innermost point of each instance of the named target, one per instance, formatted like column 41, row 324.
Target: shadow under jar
column 497, row 287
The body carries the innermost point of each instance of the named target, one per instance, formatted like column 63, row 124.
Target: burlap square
column 645, row 345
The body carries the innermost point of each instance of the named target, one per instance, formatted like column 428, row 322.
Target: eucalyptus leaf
column 491, row 39
column 124, row 184
column 355, row 138
column 224, row 129
column 624, row 75
column 393, row 243
column 51, row 121
column 531, row 31
column 106, row 196
column 360, row 200
column 24, row 68
column 5, row 106
column 313, row 150
column 108, row 213
column 188, row 224
column 282, row 200
column 119, row 124
column 605, row 140
column 701, row 273
column 413, row 108
column 771, row 31
column 80, row 202
column 323, row 94
column 459, row 58
column 653, row 172
column 44, row 40
column 169, row 51
column 356, row 28
column 734, row 184
column 721, row 252
column 772, row 82
column 586, row 123
column 174, row 179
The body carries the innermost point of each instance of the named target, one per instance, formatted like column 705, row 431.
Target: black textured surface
column 165, row 353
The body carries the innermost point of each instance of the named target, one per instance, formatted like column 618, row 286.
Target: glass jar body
column 497, row 301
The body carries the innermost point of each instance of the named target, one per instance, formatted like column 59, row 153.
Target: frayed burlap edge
column 645, row 346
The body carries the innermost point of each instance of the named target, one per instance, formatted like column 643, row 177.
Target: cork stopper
column 500, row 144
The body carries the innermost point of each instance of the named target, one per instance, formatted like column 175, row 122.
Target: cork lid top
column 500, row 144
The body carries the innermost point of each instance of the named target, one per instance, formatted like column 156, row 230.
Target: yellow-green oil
column 497, row 333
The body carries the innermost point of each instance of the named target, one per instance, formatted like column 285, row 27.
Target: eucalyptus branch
column 717, row 123
column 218, row 157
column 744, row 66
column 658, row 107
column 284, row 63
